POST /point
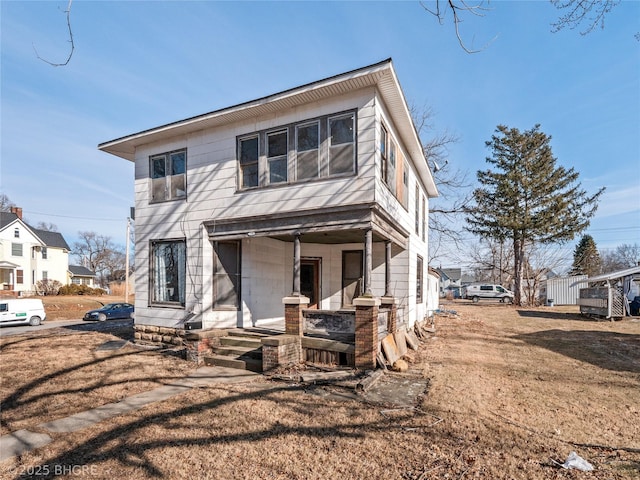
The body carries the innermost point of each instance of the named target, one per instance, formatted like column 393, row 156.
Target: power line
column 77, row 218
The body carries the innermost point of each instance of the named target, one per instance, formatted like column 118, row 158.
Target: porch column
column 368, row 246
column 387, row 268
column 296, row 302
column 296, row 265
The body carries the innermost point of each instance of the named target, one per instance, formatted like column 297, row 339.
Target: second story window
column 168, row 176
column 342, row 144
column 248, row 154
column 307, row 150
column 277, row 147
column 44, row 253
column 16, row 249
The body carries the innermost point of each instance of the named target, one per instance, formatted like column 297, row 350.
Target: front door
column 310, row 280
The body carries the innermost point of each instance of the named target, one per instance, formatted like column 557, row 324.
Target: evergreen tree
column 527, row 198
column 586, row 259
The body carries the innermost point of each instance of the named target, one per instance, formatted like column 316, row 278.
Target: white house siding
column 212, row 194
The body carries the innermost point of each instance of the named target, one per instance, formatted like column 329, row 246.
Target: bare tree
column 624, row 256
column 5, row 203
column 577, row 13
column 453, row 184
column 99, row 254
column 47, row 226
column 586, row 13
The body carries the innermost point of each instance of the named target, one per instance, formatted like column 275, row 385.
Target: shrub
column 75, row 289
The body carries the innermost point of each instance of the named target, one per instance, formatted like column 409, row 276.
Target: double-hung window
column 277, row 148
column 168, row 272
column 308, row 150
column 249, row 151
column 168, row 176
column 16, row 249
column 383, row 153
column 419, row 278
column 342, row 144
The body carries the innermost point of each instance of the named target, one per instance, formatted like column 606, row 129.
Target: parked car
column 635, row 307
column 110, row 311
column 22, row 311
column 495, row 292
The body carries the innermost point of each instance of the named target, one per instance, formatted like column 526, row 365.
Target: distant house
column 449, row 280
column 315, row 198
column 80, row 275
column 29, row 255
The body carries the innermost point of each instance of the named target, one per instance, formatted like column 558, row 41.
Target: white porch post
column 368, row 247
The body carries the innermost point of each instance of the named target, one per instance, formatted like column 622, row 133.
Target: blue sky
column 138, row 65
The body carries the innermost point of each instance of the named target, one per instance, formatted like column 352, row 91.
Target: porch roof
column 330, row 226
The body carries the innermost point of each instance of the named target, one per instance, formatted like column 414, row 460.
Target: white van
column 496, row 292
column 18, row 311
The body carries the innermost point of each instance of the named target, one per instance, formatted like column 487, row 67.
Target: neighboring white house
column 29, row 255
column 319, row 192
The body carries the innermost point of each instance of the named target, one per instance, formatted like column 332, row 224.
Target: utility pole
column 126, row 268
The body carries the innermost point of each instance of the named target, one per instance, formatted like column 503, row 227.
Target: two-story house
column 29, row 255
column 316, row 198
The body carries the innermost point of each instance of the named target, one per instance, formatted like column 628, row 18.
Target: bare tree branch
column 591, row 12
column 68, row 13
column 458, row 8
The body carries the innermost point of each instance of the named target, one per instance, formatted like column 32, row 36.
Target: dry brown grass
column 514, row 389
column 73, row 307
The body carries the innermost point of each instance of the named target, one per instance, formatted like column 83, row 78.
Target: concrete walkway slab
column 21, row 441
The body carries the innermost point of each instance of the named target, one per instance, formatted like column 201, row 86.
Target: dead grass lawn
column 510, row 390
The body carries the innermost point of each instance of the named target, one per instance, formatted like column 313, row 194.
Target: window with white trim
column 168, row 173
column 419, row 278
column 168, row 272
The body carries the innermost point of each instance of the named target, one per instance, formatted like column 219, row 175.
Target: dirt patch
column 509, row 393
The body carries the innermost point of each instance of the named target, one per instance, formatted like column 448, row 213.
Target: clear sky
column 138, row 65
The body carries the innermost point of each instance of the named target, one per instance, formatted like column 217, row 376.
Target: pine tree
column 527, row 198
column 586, row 259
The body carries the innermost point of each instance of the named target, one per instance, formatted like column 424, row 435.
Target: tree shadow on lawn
column 113, row 443
column 614, row 351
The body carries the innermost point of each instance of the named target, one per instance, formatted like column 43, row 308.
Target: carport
column 608, row 294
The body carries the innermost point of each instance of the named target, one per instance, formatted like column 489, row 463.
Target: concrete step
column 251, row 364
column 235, row 341
column 238, row 351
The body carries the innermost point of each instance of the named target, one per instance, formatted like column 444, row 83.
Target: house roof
column 80, row 271
column 49, row 239
column 382, row 75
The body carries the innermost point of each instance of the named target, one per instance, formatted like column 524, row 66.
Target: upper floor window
column 308, row 150
column 168, row 176
column 277, row 149
column 317, row 148
column 16, row 249
column 248, row 153
column 44, row 253
column 383, row 152
column 16, row 233
column 341, row 144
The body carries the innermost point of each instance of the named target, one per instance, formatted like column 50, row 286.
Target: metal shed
column 607, row 294
column 562, row 290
